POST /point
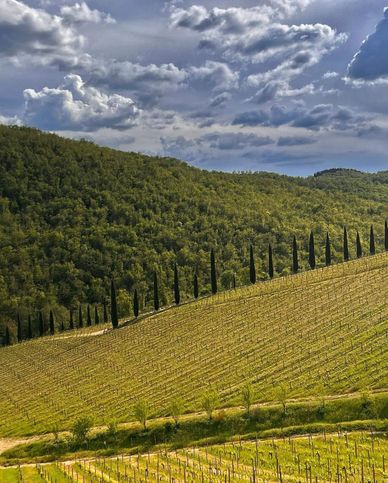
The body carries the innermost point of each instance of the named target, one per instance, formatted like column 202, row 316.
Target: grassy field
column 321, row 332
column 354, row 457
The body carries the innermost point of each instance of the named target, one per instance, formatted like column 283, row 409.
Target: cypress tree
column 358, row 246
column 195, row 286
column 7, row 337
column 135, row 304
column 113, row 306
column 177, row 294
column 62, row 327
column 41, row 324
column 20, row 335
column 386, row 235
column 80, row 317
column 295, row 262
column 252, row 268
column 106, row 318
column 328, row 250
column 234, row 280
column 30, row 333
column 372, row 246
column 88, row 316
column 270, row 262
column 213, row 272
column 312, row 261
column 96, row 316
column 52, row 324
column 71, row 320
column 346, row 245
column 156, row 292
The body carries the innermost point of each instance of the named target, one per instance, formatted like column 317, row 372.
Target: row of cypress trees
column 213, row 279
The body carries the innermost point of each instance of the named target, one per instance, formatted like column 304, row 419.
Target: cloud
column 295, row 141
column 277, row 89
column 371, row 62
column 10, row 121
column 233, row 141
column 220, row 100
column 33, row 34
column 321, row 116
column 78, row 107
column 217, row 75
column 81, row 13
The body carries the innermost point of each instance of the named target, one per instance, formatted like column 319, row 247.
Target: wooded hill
column 74, row 215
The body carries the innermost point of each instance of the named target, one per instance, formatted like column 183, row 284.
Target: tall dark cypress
column 96, row 315
column 30, row 331
column 88, row 316
column 358, row 246
column 346, row 245
column 312, row 261
column 52, row 323
column 234, row 281
column 270, row 261
column 328, row 250
column 7, row 337
column 156, row 292
column 195, row 286
column 41, row 324
column 213, row 272
column 80, row 317
column 252, row 268
column 135, row 303
column 105, row 314
column 372, row 245
column 386, row 235
column 177, row 294
column 113, row 306
column 62, row 328
column 295, row 262
column 71, row 320
column 20, row 335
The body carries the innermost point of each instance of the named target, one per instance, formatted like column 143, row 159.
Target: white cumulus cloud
column 82, row 13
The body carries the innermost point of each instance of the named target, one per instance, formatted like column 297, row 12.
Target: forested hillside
column 74, row 215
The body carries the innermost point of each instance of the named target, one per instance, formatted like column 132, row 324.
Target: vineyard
column 322, row 332
column 355, row 457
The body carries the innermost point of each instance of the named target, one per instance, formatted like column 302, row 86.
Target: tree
column 328, row 250
column 113, row 305
column 80, row 317
column 176, row 409
column 346, row 245
column 386, row 235
column 7, row 337
column 234, row 280
column 135, row 304
column 106, row 318
column 195, row 286
column 156, row 292
column 96, row 316
column 247, row 395
column 88, row 316
column 213, row 272
column 209, row 403
column 295, row 262
column 372, row 246
column 177, row 295
column 19, row 334
column 52, row 323
column 71, row 320
column 80, row 429
column 141, row 412
column 41, row 324
column 358, row 246
column 270, row 261
column 281, row 396
column 30, row 331
column 312, row 261
column 252, row 268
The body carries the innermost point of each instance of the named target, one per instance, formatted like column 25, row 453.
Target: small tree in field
column 358, row 246
column 141, row 412
column 312, row 260
column 113, row 306
column 372, row 245
column 80, row 429
column 252, row 268
column 346, row 245
column 328, row 251
column 281, row 396
column 177, row 408
column 270, row 261
column 135, row 304
column 195, row 286
column 210, row 401
column 156, row 292
column 247, row 394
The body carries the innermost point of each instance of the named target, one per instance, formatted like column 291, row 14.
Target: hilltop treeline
column 74, row 215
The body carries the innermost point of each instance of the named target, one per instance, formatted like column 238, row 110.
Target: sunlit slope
column 324, row 330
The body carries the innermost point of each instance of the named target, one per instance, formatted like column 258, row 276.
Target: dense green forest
column 74, row 215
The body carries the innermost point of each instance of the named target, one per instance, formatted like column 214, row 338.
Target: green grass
column 320, row 332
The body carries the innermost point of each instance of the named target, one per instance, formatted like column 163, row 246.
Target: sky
column 289, row 86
